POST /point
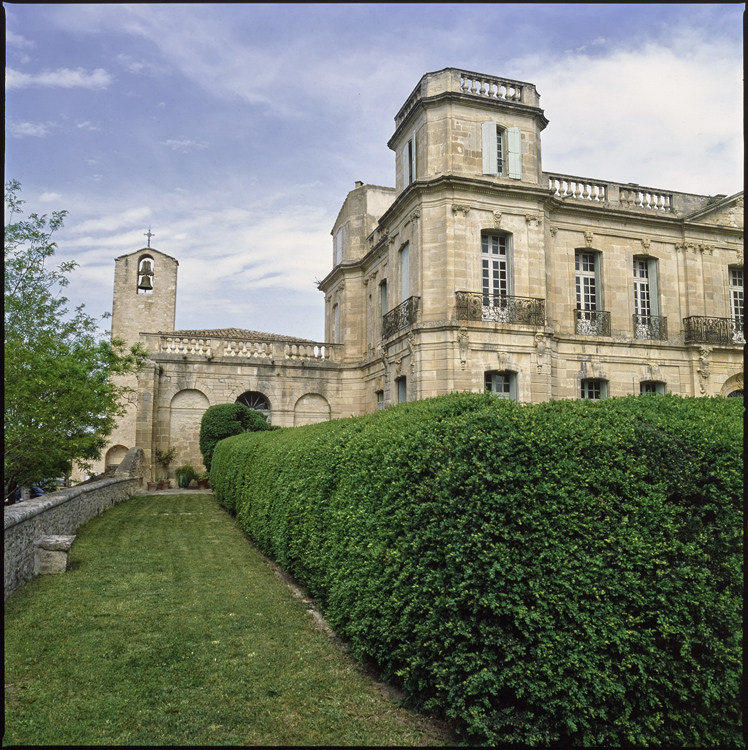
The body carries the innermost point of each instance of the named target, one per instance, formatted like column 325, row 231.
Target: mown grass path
column 171, row 629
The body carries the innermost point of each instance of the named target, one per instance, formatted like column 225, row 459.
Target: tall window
column 404, row 273
column 380, row 400
column 589, row 321
column 383, row 297
column 646, row 308
column 502, row 384
column 409, row 161
column 502, row 150
column 339, row 246
column 594, row 389
column 402, row 390
column 496, row 277
column 736, row 304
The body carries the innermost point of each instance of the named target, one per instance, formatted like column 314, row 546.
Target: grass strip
column 170, row 628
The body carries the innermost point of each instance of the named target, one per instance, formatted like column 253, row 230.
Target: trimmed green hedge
column 567, row 572
column 224, row 420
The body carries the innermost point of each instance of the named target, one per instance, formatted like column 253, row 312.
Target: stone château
column 478, row 270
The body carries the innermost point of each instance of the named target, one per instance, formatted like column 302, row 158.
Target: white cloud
column 16, row 40
column 87, row 126
column 62, row 78
column 50, row 197
column 35, row 129
column 184, row 145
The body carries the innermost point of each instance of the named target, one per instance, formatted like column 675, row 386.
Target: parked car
column 16, row 496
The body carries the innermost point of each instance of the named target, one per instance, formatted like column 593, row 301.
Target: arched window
column 145, row 274
column 735, row 394
column 257, row 401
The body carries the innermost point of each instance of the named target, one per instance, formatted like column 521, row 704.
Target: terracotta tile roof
column 235, row 333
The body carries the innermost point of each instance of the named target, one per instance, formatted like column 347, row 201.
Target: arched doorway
column 187, row 409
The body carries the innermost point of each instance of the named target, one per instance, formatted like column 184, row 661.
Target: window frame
column 402, row 389
column 584, row 384
column 508, row 383
column 501, row 150
column 652, row 388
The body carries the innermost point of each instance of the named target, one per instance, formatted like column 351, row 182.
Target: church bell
column 145, row 284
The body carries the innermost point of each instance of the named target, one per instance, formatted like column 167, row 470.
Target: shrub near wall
column 562, row 572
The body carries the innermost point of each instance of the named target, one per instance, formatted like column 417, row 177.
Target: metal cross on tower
column 149, row 234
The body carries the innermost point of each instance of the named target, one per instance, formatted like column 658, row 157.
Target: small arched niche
column 146, row 273
column 257, row 401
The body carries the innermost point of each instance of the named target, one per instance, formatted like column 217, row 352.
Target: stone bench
column 52, row 554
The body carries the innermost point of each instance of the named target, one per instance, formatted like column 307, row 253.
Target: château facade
column 478, row 270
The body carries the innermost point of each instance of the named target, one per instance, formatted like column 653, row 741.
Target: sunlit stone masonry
column 477, row 270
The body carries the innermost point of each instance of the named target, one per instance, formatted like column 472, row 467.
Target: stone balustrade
column 454, row 80
column 243, row 347
column 615, row 194
column 176, row 345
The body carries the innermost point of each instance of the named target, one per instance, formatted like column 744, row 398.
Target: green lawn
column 171, row 629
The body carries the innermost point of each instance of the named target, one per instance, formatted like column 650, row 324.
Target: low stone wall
column 62, row 513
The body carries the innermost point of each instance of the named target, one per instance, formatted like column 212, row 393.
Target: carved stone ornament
column 399, row 367
column 645, row 245
column 703, row 369
column 412, row 346
column 497, row 219
column 540, row 343
column 588, row 239
column 459, row 208
column 740, row 257
column 533, row 220
column 502, row 360
column 554, row 231
column 706, row 249
column 415, row 215
column 463, row 340
column 653, row 371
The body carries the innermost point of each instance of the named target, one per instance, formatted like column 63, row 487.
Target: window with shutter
column 514, row 153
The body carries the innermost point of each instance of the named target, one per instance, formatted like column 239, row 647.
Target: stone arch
column 186, row 410
column 732, row 384
column 310, row 409
column 146, row 273
column 166, row 396
column 115, row 455
column 256, row 400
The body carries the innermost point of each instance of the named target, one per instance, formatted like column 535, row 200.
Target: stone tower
column 145, row 296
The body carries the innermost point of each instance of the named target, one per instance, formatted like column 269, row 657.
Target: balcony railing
column 650, row 327
column 400, row 317
column 500, row 308
column 592, row 322
column 701, row 329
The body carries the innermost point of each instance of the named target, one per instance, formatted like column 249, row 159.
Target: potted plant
column 203, row 480
column 185, row 474
column 163, row 459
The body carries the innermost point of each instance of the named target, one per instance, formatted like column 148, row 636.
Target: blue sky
column 236, row 131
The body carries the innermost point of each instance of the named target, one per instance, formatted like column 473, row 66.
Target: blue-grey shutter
column 405, row 273
column 654, row 296
column 490, row 155
column 413, row 155
column 514, row 153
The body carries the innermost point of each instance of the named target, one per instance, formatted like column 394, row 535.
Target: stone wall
column 62, row 513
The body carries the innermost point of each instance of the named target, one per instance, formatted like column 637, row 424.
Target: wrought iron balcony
column 701, row 329
column 500, row 308
column 650, row 327
column 592, row 322
column 401, row 316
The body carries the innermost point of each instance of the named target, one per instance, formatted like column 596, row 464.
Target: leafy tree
column 224, row 420
column 60, row 401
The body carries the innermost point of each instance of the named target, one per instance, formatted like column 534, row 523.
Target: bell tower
column 145, row 294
